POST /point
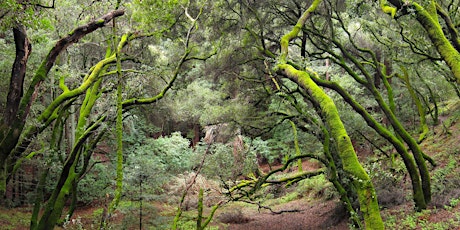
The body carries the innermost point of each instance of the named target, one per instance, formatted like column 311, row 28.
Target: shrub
column 387, row 181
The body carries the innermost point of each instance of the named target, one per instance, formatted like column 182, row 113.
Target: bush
column 153, row 162
column 445, row 183
column 95, row 185
column 317, row 187
column 387, row 181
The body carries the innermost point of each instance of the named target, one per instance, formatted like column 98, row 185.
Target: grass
column 425, row 220
column 444, row 211
column 14, row 218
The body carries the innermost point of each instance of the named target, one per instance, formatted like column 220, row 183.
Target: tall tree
column 18, row 104
column 437, row 18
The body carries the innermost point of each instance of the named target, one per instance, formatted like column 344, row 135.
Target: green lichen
column 295, row 31
column 296, row 145
column 429, row 20
column 361, row 182
column 387, row 9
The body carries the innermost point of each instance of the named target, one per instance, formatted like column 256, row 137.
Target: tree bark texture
column 18, row 73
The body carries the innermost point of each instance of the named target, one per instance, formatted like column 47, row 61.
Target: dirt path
column 323, row 215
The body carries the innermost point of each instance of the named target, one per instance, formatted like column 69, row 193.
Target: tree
column 333, row 126
column 429, row 15
column 360, row 180
column 85, row 97
column 18, row 105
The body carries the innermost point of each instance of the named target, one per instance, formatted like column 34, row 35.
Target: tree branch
column 23, row 50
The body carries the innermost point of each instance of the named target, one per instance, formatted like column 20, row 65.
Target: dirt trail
column 323, row 215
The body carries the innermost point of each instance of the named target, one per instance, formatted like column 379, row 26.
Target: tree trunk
column 23, row 50
column 360, row 180
column 385, row 133
column 18, row 105
column 427, row 16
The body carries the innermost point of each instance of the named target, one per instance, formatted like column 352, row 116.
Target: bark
column 359, row 178
column 23, row 50
column 18, row 105
column 427, row 16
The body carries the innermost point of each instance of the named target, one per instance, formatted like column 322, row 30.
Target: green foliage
column 383, row 176
column 156, row 15
column 96, row 184
column 12, row 12
column 73, row 224
column 316, row 187
column 388, row 176
column 420, row 220
column 151, row 217
column 219, row 163
column 445, row 183
column 13, row 219
column 260, row 147
column 201, row 102
column 6, row 60
column 152, row 162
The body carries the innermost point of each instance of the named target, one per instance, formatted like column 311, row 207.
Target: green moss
column 429, row 20
column 361, row 182
column 387, row 9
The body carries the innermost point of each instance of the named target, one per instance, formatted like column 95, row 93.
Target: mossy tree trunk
column 359, row 178
column 363, row 76
column 118, row 125
column 18, row 103
column 332, row 161
column 428, row 14
column 408, row 160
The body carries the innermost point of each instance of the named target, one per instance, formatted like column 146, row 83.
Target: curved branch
column 450, row 27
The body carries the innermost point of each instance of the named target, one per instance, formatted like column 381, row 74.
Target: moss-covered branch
column 360, row 180
column 296, row 145
column 423, row 130
column 427, row 15
column 386, row 8
column 297, row 177
column 295, row 31
column 256, row 183
column 385, row 133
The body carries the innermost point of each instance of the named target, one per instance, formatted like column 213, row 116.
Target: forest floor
column 310, row 204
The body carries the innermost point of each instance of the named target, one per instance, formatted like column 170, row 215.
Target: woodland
column 157, row 114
